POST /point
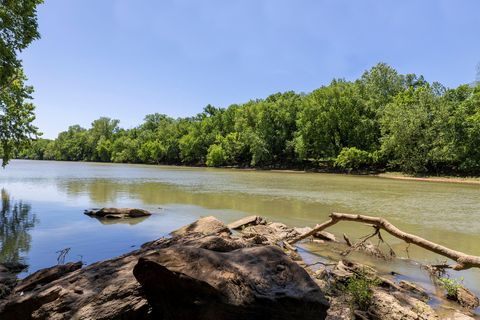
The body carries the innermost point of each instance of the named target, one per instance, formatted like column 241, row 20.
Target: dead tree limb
column 464, row 261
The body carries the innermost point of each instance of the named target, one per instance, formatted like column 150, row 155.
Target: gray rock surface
column 184, row 282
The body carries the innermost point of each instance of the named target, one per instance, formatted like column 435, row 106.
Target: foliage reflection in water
column 16, row 220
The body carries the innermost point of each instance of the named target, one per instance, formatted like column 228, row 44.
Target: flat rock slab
column 185, row 282
column 117, row 213
column 47, row 275
column 245, row 222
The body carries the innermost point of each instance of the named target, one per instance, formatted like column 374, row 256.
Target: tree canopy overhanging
column 382, row 120
column 18, row 28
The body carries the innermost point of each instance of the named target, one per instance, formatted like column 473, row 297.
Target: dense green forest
column 384, row 120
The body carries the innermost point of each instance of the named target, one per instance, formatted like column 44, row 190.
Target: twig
column 61, row 255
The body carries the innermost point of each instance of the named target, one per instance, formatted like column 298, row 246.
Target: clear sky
column 127, row 58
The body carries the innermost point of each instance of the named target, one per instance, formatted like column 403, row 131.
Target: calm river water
column 43, row 203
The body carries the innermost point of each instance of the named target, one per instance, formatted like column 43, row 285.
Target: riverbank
column 445, row 179
column 206, row 270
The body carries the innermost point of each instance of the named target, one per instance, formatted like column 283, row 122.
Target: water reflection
column 129, row 221
column 295, row 209
column 16, row 221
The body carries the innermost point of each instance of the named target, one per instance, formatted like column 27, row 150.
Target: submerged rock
column 184, row 282
column 324, row 235
column 414, row 289
column 117, row 213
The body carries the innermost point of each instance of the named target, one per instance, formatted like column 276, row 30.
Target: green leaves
column 451, row 286
column 16, row 117
column 18, row 28
column 335, row 117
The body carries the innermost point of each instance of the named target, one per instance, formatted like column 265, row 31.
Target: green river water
column 43, row 203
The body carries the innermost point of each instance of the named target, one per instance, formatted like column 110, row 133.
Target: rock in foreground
column 184, row 282
column 219, row 270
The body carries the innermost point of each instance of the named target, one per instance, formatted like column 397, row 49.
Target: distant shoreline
column 384, row 175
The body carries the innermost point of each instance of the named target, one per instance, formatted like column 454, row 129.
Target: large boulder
column 185, row 282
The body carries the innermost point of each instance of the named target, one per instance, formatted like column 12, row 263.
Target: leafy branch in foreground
column 18, row 28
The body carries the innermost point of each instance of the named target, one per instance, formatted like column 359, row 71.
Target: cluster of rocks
column 207, row 271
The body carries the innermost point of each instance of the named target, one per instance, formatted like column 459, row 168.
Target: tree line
column 383, row 121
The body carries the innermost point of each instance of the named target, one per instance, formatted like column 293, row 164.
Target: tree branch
column 464, row 261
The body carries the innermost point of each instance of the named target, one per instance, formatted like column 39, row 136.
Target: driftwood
column 464, row 261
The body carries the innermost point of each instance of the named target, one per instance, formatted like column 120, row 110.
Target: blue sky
column 127, row 58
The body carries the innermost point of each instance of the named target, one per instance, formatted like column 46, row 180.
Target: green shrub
column 451, row 286
column 353, row 159
column 216, row 156
column 359, row 287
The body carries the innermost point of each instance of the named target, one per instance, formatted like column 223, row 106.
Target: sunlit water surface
column 43, row 203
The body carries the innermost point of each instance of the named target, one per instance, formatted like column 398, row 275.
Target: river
column 43, row 203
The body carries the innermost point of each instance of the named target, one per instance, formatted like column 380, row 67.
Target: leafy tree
column 124, row 149
column 103, row 149
column 467, row 120
column 71, row 145
column 408, row 129
column 202, row 131
column 334, row 117
column 381, row 84
column 18, row 28
column 102, row 131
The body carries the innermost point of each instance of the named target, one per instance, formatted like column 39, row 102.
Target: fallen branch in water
column 464, row 261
